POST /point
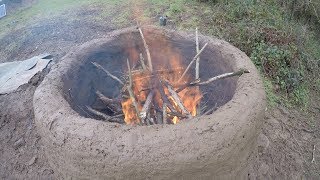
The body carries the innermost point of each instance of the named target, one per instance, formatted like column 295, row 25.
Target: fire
column 167, row 66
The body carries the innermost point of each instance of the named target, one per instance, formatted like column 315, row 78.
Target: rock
column 32, row 161
column 20, row 142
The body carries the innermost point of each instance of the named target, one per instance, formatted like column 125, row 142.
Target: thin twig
column 147, row 50
column 193, row 60
column 107, row 72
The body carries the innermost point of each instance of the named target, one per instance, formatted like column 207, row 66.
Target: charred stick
column 146, row 107
column 147, row 50
column 106, row 117
column 193, row 60
column 111, row 104
column 107, row 72
column 222, row 76
column 178, row 100
column 129, row 87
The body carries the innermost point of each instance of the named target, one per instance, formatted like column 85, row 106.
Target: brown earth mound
column 216, row 145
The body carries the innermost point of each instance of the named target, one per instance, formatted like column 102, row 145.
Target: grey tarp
column 15, row 74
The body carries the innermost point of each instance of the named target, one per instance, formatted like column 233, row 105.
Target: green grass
column 286, row 51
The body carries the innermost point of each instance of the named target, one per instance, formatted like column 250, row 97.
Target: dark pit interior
column 83, row 80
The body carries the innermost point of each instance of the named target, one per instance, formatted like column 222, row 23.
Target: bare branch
column 193, row 60
column 222, row 76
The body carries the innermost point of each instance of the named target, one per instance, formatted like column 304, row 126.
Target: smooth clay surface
column 209, row 147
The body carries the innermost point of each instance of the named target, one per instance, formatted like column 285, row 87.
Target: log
column 107, row 72
column 111, row 104
column 192, row 61
column 178, row 100
column 210, row 80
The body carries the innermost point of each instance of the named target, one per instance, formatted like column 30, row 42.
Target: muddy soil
column 284, row 151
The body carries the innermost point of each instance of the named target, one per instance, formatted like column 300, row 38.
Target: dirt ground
column 285, row 147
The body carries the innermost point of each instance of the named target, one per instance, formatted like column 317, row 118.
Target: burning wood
column 158, row 96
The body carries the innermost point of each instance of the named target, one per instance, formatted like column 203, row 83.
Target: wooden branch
column 129, row 87
column 146, row 107
column 193, row 60
column 107, row 72
column 111, row 104
column 178, row 100
column 164, row 113
column 226, row 75
column 222, row 76
column 106, row 117
column 147, row 50
column 143, row 65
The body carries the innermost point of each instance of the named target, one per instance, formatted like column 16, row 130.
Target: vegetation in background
column 284, row 48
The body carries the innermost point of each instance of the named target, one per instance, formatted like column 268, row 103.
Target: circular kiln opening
column 94, row 93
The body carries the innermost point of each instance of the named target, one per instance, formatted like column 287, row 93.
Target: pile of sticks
column 150, row 113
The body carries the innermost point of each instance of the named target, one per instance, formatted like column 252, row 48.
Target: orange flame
column 168, row 65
